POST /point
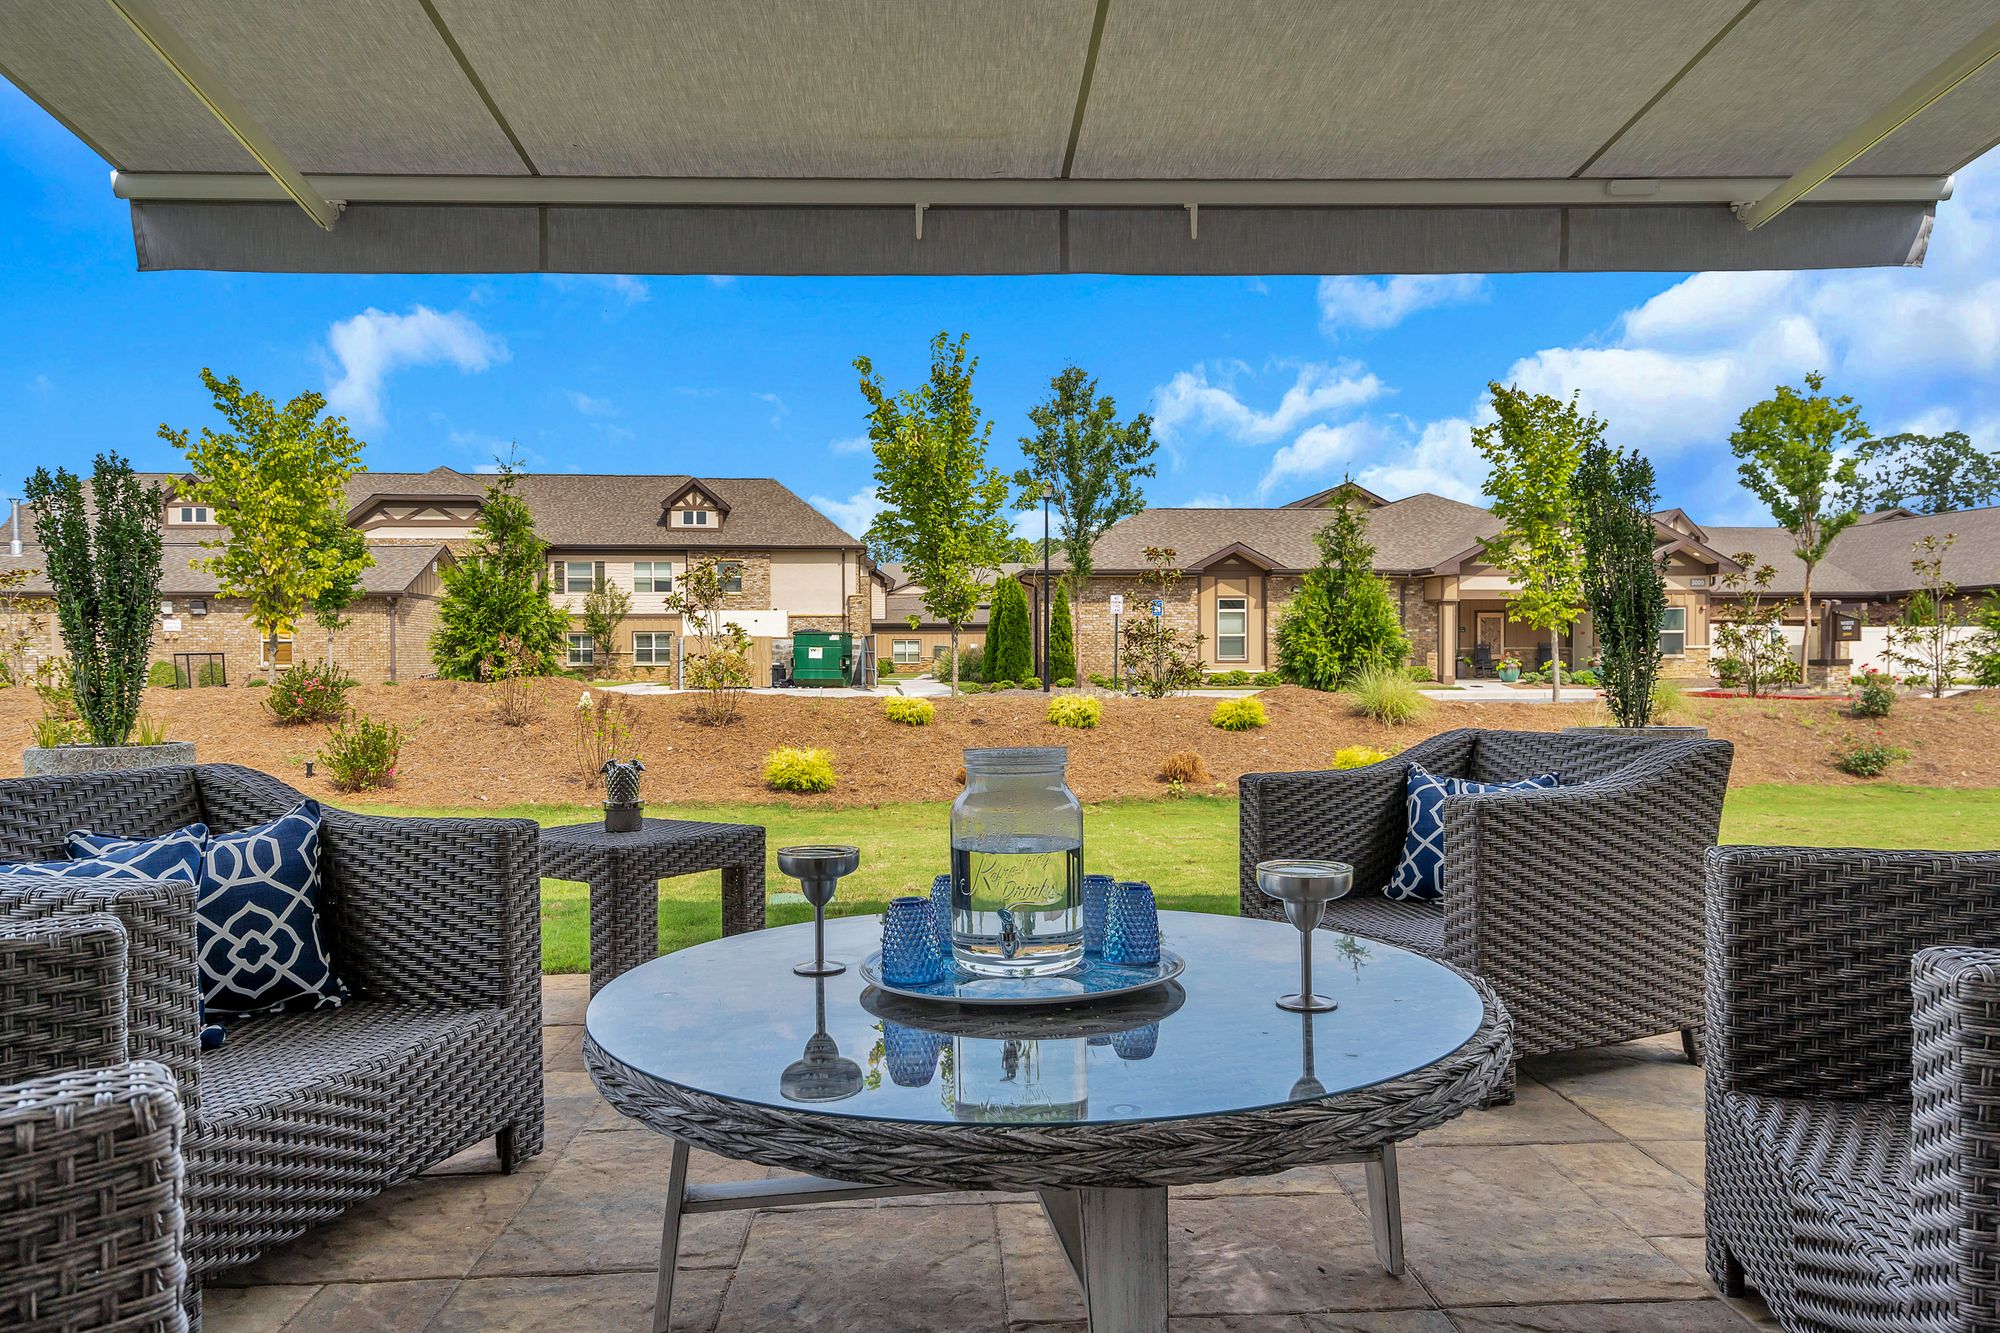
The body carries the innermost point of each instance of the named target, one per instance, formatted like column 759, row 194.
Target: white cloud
column 1191, row 402
column 374, row 344
column 853, row 444
column 591, row 407
column 1391, row 456
column 1320, row 449
column 722, row 279
column 1441, row 459
column 625, row 287
column 780, row 411
column 1381, row 303
column 852, row 515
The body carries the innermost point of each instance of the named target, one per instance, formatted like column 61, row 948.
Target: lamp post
column 1048, row 495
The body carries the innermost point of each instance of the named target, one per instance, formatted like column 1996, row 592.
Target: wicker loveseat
column 1580, row 905
column 90, row 1143
column 1853, row 1080
column 432, row 923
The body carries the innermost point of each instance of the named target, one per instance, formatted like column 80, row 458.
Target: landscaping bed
column 458, row 753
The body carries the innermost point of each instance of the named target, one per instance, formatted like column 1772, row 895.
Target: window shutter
column 599, row 574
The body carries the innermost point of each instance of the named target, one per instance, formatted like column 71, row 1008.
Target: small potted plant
column 1509, row 668
column 104, row 567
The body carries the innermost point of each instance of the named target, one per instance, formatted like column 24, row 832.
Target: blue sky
column 1263, row 389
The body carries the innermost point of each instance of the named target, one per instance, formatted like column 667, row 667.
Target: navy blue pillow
column 1419, row 875
column 175, row 858
column 257, row 931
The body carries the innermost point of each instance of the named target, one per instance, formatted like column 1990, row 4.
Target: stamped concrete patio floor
column 1576, row 1209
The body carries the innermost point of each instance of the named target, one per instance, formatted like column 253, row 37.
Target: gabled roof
column 1324, row 499
column 1873, row 556
column 1410, row 535
column 1235, row 552
column 397, row 566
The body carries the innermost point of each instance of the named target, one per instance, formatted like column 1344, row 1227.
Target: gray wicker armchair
column 432, row 923
column 1853, row 1083
column 90, row 1143
column 1580, row 904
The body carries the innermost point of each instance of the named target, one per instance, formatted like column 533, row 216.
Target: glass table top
column 730, row 1019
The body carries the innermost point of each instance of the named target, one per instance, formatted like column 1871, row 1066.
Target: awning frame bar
column 1821, row 173
column 209, row 88
column 796, row 192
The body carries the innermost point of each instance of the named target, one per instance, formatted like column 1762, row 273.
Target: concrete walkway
column 1577, row 1209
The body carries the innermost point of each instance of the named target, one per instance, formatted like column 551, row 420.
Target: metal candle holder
column 1305, row 888
column 819, row 871
column 621, row 795
column 822, row 1073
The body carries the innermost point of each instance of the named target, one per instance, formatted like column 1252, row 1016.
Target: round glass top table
column 1096, row 1107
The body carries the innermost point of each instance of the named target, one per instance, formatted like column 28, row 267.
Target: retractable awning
column 1019, row 136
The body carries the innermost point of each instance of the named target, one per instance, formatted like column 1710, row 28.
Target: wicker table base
column 624, row 871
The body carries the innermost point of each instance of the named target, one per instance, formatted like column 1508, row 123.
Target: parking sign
column 1159, row 607
column 1117, row 603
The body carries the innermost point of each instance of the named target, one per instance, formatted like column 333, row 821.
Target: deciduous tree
column 943, row 506
column 1749, row 635
column 1928, row 640
column 1532, row 449
column 1932, row 474
column 1793, row 452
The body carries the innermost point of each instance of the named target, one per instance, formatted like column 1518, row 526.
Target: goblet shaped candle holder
column 819, row 871
column 1305, row 888
column 821, row 1073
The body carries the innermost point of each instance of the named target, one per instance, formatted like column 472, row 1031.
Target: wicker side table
column 624, row 871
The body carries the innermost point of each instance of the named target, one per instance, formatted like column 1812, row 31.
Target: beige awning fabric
column 1024, row 136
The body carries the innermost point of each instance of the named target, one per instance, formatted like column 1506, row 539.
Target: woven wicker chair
column 433, row 924
column 1579, row 904
column 90, row 1143
column 1853, row 1085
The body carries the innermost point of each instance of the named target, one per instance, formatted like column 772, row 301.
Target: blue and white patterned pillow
column 176, row 858
column 257, row 930
column 1419, row 875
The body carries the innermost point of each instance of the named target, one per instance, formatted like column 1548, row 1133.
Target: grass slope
column 1186, row 849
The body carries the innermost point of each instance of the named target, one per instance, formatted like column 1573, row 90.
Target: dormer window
column 694, row 518
column 191, row 515
column 694, row 506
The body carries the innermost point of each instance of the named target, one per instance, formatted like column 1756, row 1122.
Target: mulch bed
column 458, row 754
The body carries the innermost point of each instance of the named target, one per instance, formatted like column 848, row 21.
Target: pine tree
column 1009, row 650
column 1342, row 621
column 1062, row 637
column 496, row 597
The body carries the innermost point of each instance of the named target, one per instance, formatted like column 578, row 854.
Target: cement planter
column 40, row 763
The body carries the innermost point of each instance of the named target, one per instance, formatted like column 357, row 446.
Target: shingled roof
column 397, row 566
column 1872, row 558
column 1410, row 535
column 577, row 510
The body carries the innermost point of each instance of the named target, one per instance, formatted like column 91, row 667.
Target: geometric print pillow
column 1419, row 875
column 257, row 931
column 176, row 858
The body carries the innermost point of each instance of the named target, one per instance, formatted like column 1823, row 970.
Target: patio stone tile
column 1276, row 1254
column 1040, row 1287
column 1603, row 1317
column 952, row 1198
column 598, row 1210
column 1235, row 1323
column 343, row 1306
column 1503, row 1225
column 250, row 1309
column 1639, row 1098
column 1298, row 1180
column 1539, row 1115
column 568, row 1103
column 1379, row 1321
column 1645, row 1195
column 562, row 1049
column 429, row 1227
column 495, row 1304
column 890, row 1270
column 565, row 996
column 1686, row 1159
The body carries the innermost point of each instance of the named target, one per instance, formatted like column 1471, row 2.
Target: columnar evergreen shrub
column 1062, row 636
column 1623, row 580
column 1010, row 648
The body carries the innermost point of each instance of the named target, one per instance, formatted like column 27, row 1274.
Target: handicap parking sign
column 1159, row 607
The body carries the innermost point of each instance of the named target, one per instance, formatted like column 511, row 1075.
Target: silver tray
column 1094, row 980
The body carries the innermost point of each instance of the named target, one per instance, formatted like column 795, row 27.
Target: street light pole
column 1048, row 494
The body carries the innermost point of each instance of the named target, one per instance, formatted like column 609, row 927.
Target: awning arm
column 1961, row 65
column 202, row 81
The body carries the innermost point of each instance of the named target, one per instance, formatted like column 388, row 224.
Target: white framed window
column 905, row 652
column 579, row 575
column 1674, row 632
column 652, row 576
column 652, row 648
column 582, row 650
column 1232, row 629
column 190, row 514
column 694, row 518
column 730, row 575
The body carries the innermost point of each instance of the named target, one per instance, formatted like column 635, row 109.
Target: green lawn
column 1186, row 849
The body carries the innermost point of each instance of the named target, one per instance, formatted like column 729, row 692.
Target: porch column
column 1447, row 652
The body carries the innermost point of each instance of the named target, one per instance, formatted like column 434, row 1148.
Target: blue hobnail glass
column 941, row 910
column 1096, row 888
column 910, row 1053
column 1136, row 1043
column 1131, row 926
column 910, row 955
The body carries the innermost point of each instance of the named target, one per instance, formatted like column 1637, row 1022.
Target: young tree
column 1062, row 636
column 1932, row 474
column 1792, row 453
column 1624, row 580
column 106, row 577
column 1928, row 638
column 274, row 482
column 1160, row 659
column 1532, row 449
column 496, row 619
column 1094, row 465
column 943, row 506
column 1342, row 621
column 605, row 607
column 718, row 666
column 1985, row 651
column 1010, row 653
column 1752, row 637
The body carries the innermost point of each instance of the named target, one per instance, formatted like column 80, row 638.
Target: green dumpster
column 821, row 658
